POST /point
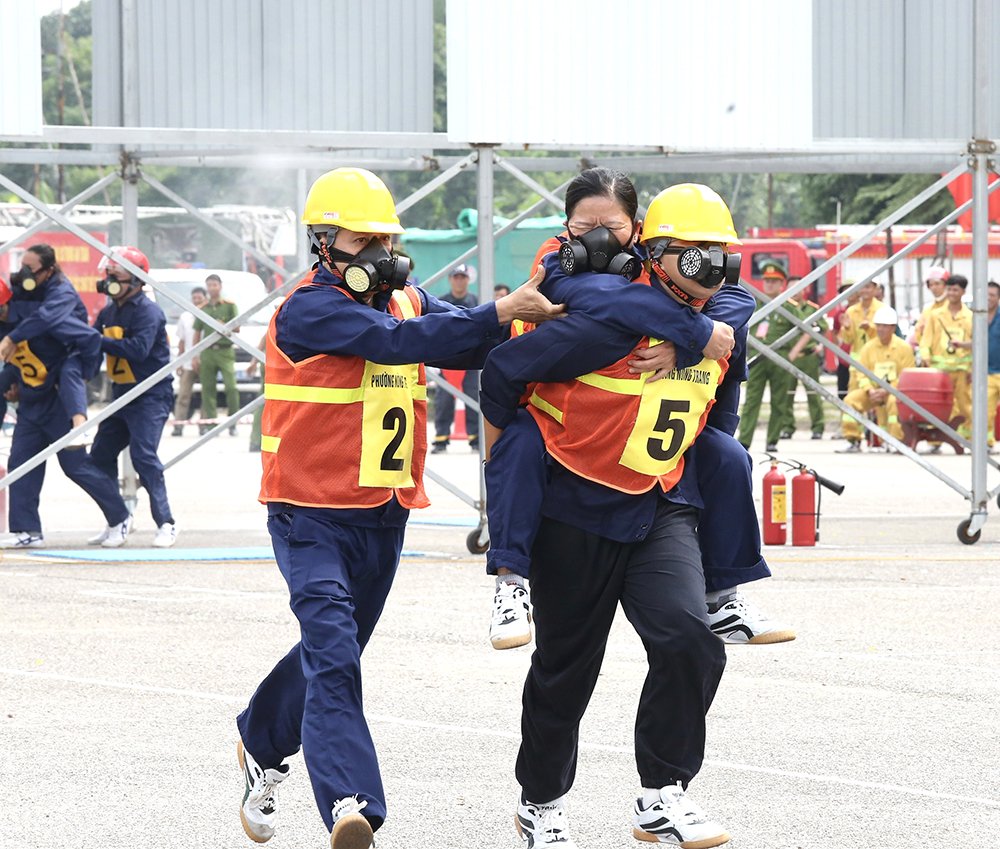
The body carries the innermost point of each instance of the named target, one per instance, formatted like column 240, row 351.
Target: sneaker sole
column 351, row 832
column 759, row 639
column 707, row 843
column 511, row 642
column 243, row 819
column 775, row 637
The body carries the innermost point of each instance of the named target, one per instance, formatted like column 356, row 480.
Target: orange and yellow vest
column 614, row 428
column 341, row 431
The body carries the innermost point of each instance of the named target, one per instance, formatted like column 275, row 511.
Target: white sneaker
column 117, row 534
column 511, row 624
column 678, row 820
column 166, row 535
column 740, row 622
column 350, row 828
column 543, row 825
column 109, row 533
column 23, row 539
column 260, row 799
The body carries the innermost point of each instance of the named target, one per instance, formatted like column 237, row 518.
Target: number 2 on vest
column 664, row 425
column 394, row 419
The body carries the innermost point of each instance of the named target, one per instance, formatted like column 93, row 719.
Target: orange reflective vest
column 341, row 431
column 614, row 428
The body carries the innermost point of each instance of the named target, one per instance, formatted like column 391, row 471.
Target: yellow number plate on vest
column 387, row 426
column 33, row 370
column 118, row 368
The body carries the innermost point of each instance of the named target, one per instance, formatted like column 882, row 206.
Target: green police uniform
column 765, row 372
column 220, row 358
column 808, row 362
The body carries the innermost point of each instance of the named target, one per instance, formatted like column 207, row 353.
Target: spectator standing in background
column 187, row 372
column 220, row 358
column 444, row 402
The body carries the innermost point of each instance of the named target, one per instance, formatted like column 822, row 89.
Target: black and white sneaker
column 511, row 623
column 543, row 825
column 260, row 799
column 677, row 820
column 739, row 621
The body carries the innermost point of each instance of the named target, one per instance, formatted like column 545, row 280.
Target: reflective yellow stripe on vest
column 404, row 304
column 546, row 407
column 270, row 444
column 618, row 385
column 312, row 394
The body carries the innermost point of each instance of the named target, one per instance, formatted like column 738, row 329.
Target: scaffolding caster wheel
column 475, row 542
column 964, row 536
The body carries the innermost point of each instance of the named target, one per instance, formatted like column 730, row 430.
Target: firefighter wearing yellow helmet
column 344, row 436
column 609, row 499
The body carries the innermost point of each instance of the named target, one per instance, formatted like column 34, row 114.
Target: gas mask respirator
column 598, row 251
column 114, row 287
column 709, row 267
column 24, row 279
column 374, row 268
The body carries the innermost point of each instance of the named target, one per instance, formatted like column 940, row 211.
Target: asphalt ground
column 877, row 727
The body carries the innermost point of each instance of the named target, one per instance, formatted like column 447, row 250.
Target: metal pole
column 486, row 238
column 981, row 146
column 130, row 236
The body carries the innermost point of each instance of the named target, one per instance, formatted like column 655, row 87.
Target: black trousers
column 444, row 409
column 843, row 379
column 577, row 581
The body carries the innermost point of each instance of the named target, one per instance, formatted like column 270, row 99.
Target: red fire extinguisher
column 804, row 530
column 805, row 503
column 775, row 506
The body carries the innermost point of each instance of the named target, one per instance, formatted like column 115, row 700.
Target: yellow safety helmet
column 692, row 212
column 354, row 199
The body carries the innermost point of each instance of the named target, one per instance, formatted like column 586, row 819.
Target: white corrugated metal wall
column 20, row 69
column 652, row 72
column 896, row 69
column 362, row 65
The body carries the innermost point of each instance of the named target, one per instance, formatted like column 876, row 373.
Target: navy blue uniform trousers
column 138, row 425
column 444, row 409
column 40, row 422
column 727, row 531
column 577, row 581
column 338, row 578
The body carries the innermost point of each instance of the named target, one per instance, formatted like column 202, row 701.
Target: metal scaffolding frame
column 128, row 147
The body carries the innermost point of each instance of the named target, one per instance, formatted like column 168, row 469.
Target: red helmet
column 133, row 255
column 5, row 292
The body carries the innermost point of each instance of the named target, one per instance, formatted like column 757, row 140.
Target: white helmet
column 937, row 272
column 885, row 315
